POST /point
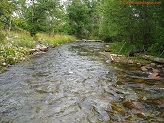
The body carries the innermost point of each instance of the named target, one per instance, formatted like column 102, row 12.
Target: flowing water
column 73, row 83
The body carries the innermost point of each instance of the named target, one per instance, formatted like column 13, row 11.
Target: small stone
column 32, row 51
column 52, row 46
column 139, row 64
column 108, row 61
column 39, row 53
column 130, row 62
column 107, row 45
column 144, row 69
column 4, row 64
column 133, row 105
column 156, row 71
column 159, row 66
column 154, row 76
column 141, row 115
column 152, row 64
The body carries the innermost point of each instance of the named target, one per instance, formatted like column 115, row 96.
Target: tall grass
column 20, row 39
column 56, row 39
column 122, row 47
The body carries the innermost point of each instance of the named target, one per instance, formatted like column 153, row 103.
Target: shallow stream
column 73, row 83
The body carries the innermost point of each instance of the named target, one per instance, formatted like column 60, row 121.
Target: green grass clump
column 125, row 47
column 21, row 39
column 56, row 39
column 121, row 47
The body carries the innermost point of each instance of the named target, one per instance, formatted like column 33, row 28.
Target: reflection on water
column 73, row 84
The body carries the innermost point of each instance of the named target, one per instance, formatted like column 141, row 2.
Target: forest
column 127, row 24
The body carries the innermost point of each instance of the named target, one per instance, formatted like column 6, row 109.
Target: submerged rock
column 133, row 105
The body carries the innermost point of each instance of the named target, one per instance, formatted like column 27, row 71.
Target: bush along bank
column 18, row 47
column 10, row 54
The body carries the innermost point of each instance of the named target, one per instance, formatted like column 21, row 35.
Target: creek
column 74, row 83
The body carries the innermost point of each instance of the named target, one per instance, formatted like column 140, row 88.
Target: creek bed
column 73, row 83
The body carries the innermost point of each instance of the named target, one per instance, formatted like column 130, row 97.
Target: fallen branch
column 153, row 58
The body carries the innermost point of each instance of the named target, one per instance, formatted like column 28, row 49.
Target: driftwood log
column 153, row 58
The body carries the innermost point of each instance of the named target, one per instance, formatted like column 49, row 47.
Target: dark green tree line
column 137, row 24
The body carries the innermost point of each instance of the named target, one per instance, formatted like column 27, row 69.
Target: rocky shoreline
column 155, row 70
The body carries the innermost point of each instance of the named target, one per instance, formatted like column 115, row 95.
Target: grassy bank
column 15, row 48
column 54, row 40
column 123, row 48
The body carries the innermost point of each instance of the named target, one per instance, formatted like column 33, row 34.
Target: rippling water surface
column 73, row 83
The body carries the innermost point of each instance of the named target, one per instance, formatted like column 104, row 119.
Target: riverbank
column 18, row 46
column 155, row 70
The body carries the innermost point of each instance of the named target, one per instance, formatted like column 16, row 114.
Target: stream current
column 73, row 83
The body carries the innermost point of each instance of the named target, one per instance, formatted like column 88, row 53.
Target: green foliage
column 157, row 49
column 2, row 37
column 11, row 54
column 56, row 39
column 84, row 18
column 6, row 9
column 38, row 16
column 122, row 47
column 137, row 24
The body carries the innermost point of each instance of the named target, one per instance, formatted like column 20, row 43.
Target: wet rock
column 144, row 69
column 158, row 102
column 42, row 47
column 152, row 64
column 126, row 121
column 161, row 105
column 156, row 71
column 107, row 45
column 133, row 105
column 139, row 64
column 32, row 51
column 38, row 53
column 52, row 46
column 141, row 115
column 159, row 66
column 108, row 61
column 130, row 62
column 154, row 76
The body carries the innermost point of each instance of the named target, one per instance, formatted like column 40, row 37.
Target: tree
column 39, row 15
column 6, row 9
column 78, row 13
column 137, row 24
